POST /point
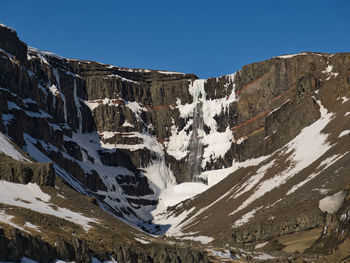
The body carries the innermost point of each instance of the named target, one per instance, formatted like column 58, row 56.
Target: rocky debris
column 15, row 171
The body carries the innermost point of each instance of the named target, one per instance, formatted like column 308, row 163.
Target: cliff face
column 124, row 135
column 290, row 151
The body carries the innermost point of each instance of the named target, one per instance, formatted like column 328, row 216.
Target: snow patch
column 257, row 246
column 329, row 71
column 159, row 175
column 7, row 148
column 7, row 219
column 346, row 132
column 37, row 200
column 170, row 72
column 176, row 193
column 246, row 217
column 226, row 254
column 127, row 124
column 332, row 203
column 324, row 165
column 202, row 239
column 142, row 241
column 345, row 99
column 30, row 225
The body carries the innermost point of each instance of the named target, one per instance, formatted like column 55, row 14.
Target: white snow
column 7, row 148
column 276, row 109
column 131, row 69
column 332, row 203
column 159, row 176
column 309, row 145
column 135, row 107
column 216, row 144
column 40, row 114
column 329, row 72
column 92, row 104
column 170, row 72
column 226, row 254
column 240, row 140
column 6, row 118
column 263, row 256
column 7, row 219
column 260, row 245
column 108, row 134
column 287, row 56
column 122, row 79
column 202, row 239
column 294, row 55
column 127, row 124
column 215, row 176
column 321, row 167
column 328, row 69
column 245, row 218
column 346, row 132
column 43, row 54
column 30, row 196
column 345, row 99
column 132, row 105
column 7, row 27
column 30, row 225
column 11, row 106
column 54, row 91
column 149, row 142
column 176, row 193
column 252, row 181
column 142, row 241
column 179, row 141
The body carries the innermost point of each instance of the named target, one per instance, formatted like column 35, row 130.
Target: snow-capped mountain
column 255, row 156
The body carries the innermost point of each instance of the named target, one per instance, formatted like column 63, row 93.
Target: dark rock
column 10, row 42
column 22, row 172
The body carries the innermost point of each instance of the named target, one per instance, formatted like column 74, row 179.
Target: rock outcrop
column 15, row 171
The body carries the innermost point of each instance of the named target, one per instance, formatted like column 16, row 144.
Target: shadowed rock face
column 10, row 43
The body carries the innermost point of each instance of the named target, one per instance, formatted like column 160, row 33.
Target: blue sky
column 208, row 38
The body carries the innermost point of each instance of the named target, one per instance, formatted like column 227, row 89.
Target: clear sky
column 208, row 38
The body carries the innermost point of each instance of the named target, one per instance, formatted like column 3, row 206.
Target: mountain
column 246, row 167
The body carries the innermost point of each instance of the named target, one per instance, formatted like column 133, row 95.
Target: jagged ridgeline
column 265, row 145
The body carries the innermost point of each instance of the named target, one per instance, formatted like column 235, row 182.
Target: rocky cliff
column 269, row 140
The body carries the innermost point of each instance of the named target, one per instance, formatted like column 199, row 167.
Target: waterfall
column 197, row 91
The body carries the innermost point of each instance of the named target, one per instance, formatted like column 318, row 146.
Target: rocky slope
column 269, row 142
